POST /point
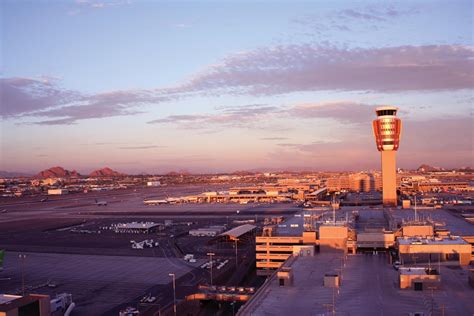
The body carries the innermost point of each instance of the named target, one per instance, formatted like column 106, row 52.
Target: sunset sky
column 217, row 86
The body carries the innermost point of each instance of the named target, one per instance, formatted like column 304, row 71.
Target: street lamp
column 210, row 254
column 174, row 291
column 236, row 253
column 334, row 300
column 22, row 264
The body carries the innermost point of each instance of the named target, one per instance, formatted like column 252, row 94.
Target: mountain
column 105, row 172
column 57, row 172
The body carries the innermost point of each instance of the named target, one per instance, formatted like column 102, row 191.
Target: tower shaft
column 389, row 178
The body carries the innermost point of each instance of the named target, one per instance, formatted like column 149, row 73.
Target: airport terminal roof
column 5, row 298
column 239, row 230
column 135, row 225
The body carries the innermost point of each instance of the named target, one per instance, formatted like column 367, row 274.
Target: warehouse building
column 136, row 227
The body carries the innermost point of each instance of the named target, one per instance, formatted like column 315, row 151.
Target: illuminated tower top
column 387, row 128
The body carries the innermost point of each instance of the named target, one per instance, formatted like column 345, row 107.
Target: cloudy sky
column 215, row 86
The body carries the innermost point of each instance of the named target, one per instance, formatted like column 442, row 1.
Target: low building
column 136, row 227
column 210, row 231
column 153, row 183
column 414, row 249
column 32, row 304
column 419, row 278
column 57, row 191
column 357, row 182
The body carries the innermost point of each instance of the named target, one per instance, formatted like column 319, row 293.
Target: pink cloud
column 292, row 68
column 266, row 71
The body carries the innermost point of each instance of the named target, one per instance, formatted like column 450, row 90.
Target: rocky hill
column 57, row 172
column 105, row 172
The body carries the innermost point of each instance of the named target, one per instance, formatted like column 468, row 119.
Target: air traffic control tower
column 387, row 129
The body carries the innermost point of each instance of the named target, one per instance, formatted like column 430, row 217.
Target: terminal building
column 419, row 241
column 314, row 267
column 357, row 182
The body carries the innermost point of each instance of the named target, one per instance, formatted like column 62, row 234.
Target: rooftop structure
column 32, row 304
column 237, row 232
column 419, row 277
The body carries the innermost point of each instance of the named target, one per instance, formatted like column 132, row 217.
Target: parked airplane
column 100, row 203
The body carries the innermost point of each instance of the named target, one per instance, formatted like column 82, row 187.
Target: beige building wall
column 359, row 182
column 333, row 238
column 417, row 230
column 463, row 250
column 376, row 239
column 407, row 280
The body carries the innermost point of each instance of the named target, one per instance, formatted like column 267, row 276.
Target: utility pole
column 210, row 254
column 22, row 264
column 333, row 301
column 174, row 291
column 236, row 254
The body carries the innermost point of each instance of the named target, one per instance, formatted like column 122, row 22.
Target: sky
column 219, row 86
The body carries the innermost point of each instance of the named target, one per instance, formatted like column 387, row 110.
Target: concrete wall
column 329, row 231
column 333, row 238
column 417, row 230
column 309, row 237
column 379, row 239
column 407, row 280
column 463, row 250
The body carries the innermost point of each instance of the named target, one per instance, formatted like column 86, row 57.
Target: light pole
column 334, row 300
column 236, row 253
column 210, row 254
column 174, row 291
column 22, row 264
